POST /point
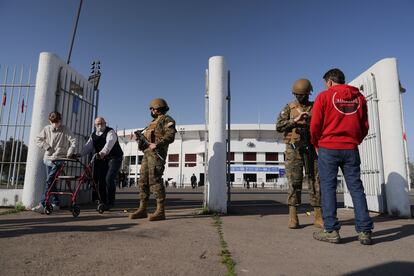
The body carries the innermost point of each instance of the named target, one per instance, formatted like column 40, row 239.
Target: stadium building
column 256, row 155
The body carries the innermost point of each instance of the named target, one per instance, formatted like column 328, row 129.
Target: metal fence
column 15, row 116
column 76, row 100
column 372, row 173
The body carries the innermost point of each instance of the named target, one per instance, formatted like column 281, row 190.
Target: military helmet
column 302, row 87
column 159, row 103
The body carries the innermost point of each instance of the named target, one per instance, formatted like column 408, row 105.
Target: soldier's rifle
column 306, row 149
column 143, row 143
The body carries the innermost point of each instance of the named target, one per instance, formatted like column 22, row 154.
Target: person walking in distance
column 193, row 181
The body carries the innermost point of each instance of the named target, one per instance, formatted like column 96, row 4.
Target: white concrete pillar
column 216, row 177
column 393, row 151
column 43, row 104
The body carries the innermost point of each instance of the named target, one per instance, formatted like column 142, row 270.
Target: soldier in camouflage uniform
column 293, row 122
column 159, row 133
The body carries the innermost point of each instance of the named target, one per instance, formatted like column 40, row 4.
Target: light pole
column 94, row 79
column 182, row 131
column 74, row 31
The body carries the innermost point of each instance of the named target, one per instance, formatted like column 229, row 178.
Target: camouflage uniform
column 160, row 131
column 297, row 139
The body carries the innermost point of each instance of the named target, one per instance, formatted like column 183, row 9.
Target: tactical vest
column 100, row 141
column 150, row 133
column 295, row 110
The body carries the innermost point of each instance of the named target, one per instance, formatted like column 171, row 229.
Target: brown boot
column 293, row 218
column 159, row 213
column 318, row 217
column 141, row 212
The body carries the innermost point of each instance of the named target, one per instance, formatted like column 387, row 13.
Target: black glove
column 142, row 145
column 73, row 156
column 97, row 156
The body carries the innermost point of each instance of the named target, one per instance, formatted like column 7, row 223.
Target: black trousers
column 105, row 173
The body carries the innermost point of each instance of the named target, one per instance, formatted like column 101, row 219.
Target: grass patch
column 225, row 254
column 205, row 211
column 17, row 209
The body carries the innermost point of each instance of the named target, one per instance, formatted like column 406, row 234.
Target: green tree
column 411, row 167
column 11, row 151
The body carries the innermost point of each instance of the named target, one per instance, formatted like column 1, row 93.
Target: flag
column 4, row 98
column 405, row 136
column 75, row 105
column 22, row 107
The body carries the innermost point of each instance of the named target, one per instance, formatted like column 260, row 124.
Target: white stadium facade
column 256, row 156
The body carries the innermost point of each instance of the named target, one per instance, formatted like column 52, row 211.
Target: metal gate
column 372, row 172
column 383, row 152
column 15, row 117
column 76, row 100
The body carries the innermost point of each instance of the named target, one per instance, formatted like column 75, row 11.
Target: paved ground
column 187, row 244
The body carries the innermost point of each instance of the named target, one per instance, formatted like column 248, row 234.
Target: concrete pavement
column 187, row 244
column 110, row 244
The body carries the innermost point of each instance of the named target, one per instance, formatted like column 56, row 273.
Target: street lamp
column 74, row 31
column 182, row 131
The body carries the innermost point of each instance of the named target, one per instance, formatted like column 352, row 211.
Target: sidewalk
column 186, row 244
column 108, row 244
column 263, row 245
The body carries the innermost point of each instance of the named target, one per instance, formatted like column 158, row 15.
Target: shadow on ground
column 180, row 204
column 392, row 268
column 53, row 224
column 385, row 235
column 243, row 201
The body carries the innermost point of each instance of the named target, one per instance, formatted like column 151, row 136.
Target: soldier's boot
column 293, row 218
column 318, row 217
column 141, row 212
column 159, row 213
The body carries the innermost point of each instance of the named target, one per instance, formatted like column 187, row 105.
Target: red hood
column 345, row 91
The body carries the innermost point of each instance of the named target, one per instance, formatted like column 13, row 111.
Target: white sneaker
column 39, row 209
column 55, row 207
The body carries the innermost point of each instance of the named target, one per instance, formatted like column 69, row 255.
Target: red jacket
column 339, row 118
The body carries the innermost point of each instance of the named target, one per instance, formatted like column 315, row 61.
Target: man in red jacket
column 338, row 125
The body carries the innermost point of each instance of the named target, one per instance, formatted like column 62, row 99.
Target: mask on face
column 154, row 115
column 302, row 99
column 100, row 128
column 56, row 125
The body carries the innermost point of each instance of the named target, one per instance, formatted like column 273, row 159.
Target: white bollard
column 43, row 104
column 217, row 83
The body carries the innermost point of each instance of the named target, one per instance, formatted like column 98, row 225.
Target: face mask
column 100, row 128
column 154, row 115
column 56, row 125
column 303, row 99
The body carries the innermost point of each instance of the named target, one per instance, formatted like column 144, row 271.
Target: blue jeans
column 329, row 160
column 51, row 170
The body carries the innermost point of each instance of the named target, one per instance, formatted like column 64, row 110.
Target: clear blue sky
column 160, row 48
